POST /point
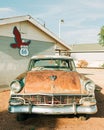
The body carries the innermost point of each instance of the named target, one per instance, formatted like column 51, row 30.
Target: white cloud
column 5, row 10
column 51, row 11
column 81, row 36
column 98, row 4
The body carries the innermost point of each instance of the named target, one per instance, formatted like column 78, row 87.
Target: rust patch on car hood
column 47, row 81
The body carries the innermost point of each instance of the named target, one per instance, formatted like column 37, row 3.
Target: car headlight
column 90, row 86
column 16, row 101
column 15, row 86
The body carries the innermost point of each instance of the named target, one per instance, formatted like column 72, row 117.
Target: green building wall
column 12, row 63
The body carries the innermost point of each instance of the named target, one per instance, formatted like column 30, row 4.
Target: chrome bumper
column 53, row 110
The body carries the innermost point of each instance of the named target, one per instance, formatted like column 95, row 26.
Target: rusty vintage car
column 51, row 85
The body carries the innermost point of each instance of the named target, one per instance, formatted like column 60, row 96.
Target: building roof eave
column 10, row 20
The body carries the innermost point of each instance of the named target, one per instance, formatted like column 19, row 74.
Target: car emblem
column 53, row 77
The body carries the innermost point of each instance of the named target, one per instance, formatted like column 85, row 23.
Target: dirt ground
column 40, row 122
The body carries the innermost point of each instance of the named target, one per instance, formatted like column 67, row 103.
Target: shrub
column 102, row 65
column 82, row 63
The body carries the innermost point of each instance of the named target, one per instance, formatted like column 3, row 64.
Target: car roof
column 50, row 56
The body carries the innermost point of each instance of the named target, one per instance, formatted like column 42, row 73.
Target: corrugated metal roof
column 10, row 20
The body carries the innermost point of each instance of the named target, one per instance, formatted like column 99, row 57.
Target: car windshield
column 52, row 64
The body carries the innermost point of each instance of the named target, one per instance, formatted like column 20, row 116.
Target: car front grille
column 49, row 99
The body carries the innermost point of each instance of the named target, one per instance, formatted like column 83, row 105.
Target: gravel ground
column 95, row 122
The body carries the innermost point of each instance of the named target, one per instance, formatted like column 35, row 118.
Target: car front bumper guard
column 53, row 110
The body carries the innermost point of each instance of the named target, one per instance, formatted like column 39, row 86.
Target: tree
column 101, row 36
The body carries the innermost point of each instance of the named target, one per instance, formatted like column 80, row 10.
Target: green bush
column 102, row 65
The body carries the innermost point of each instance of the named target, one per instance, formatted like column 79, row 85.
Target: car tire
column 21, row 117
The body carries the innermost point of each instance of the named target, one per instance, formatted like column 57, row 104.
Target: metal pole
column 60, row 22
column 59, row 28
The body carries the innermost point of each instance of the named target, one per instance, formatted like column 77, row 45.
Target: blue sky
column 82, row 18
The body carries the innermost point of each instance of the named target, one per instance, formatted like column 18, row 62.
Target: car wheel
column 21, row 117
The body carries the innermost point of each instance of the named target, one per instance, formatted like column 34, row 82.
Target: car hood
column 52, row 82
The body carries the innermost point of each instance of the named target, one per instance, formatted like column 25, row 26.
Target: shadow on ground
column 100, row 102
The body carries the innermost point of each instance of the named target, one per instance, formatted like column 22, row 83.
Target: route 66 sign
column 24, row 51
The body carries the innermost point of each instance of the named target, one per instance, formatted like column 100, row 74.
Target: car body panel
column 41, row 82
